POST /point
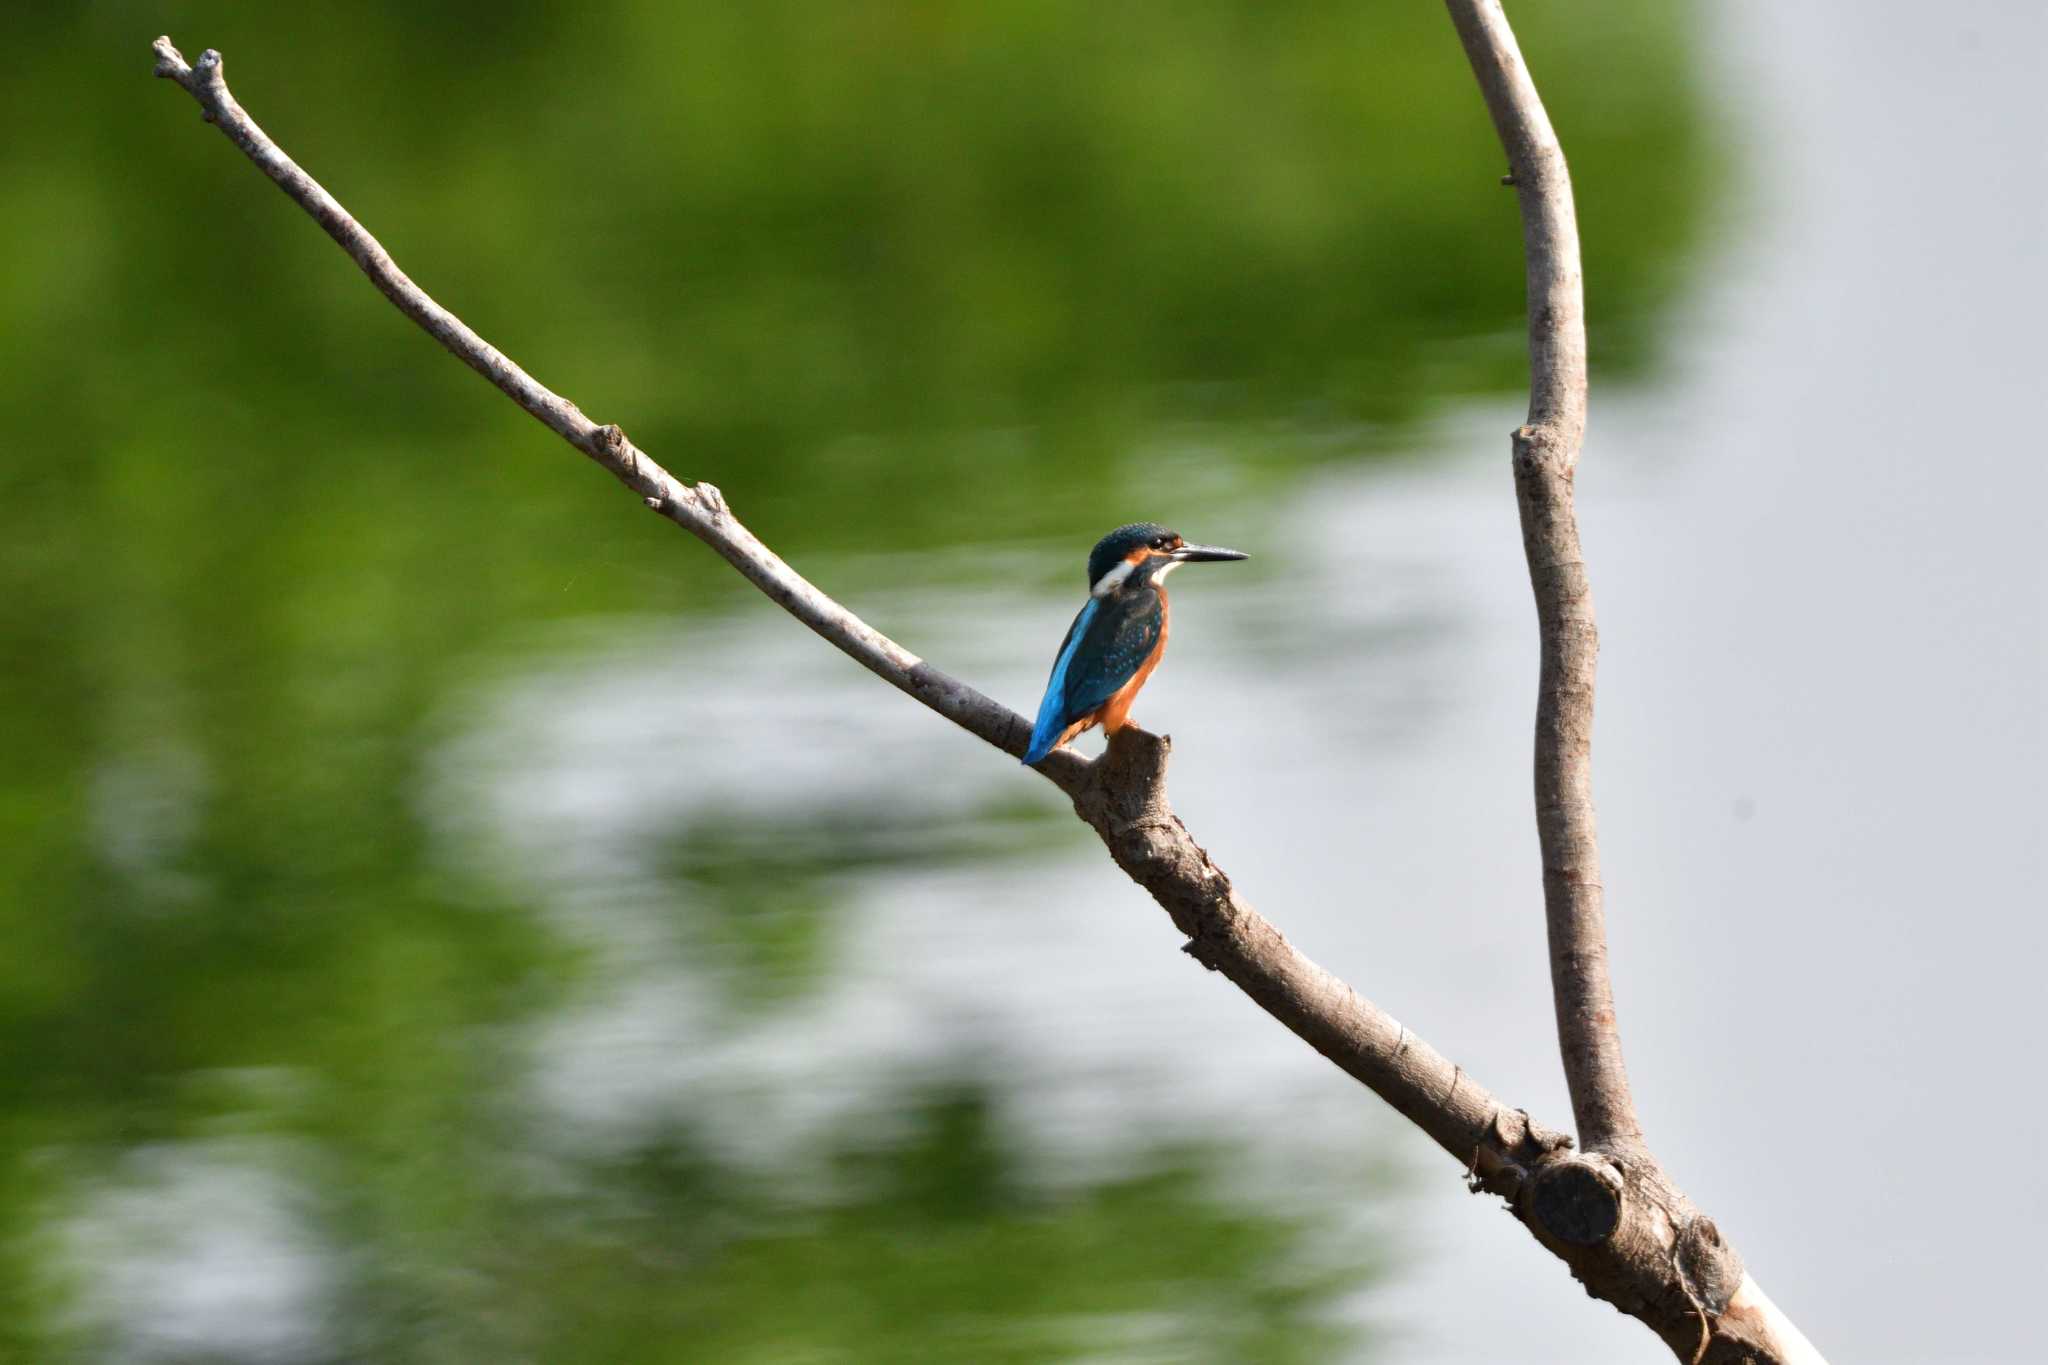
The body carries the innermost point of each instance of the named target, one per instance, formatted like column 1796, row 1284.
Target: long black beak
column 1207, row 554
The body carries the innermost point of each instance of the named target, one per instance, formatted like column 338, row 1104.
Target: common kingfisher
column 1116, row 641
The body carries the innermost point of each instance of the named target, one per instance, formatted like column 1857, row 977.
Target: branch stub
column 1711, row 1269
column 1578, row 1201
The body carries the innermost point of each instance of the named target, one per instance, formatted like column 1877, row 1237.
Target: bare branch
column 1626, row 1233
column 697, row 508
column 1122, row 797
column 1616, row 1199
column 1546, row 452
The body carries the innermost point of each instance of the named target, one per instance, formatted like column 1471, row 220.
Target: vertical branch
column 1546, row 454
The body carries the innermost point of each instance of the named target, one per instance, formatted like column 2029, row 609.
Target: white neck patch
column 1112, row 580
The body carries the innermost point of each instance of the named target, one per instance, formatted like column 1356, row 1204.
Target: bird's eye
column 1159, row 542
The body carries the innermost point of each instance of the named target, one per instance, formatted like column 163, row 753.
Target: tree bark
column 1608, row 1213
column 1546, row 455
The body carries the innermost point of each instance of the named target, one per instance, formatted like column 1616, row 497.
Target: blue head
column 1144, row 553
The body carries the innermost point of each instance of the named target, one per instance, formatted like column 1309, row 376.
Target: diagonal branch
column 1631, row 1237
column 1122, row 797
column 1546, row 452
column 697, row 508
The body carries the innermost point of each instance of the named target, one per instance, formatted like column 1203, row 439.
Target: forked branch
column 1624, row 1231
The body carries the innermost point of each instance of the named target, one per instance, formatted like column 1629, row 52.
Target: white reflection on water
column 1044, row 957
column 1816, row 551
column 203, row 1250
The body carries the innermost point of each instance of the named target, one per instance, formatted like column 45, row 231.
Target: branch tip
column 1578, row 1200
column 170, row 63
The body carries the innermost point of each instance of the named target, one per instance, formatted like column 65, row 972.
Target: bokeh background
column 447, row 916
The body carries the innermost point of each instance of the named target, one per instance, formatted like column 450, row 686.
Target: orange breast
column 1116, row 712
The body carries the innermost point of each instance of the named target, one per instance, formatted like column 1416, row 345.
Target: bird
column 1116, row 640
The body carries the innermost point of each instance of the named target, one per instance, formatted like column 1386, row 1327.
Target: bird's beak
column 1205, row 554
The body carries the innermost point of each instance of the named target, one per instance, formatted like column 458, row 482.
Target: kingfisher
column 1115, row 642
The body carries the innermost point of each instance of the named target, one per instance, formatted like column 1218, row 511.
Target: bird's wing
column 1108, row 642
column 1112, row 649
column 1052, row 717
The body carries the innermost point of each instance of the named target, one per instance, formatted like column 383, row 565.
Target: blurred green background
column 932, row 290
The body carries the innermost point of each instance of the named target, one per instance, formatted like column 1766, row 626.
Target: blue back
column 1109, row 641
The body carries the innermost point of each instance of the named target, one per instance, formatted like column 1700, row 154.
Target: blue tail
column 1046, row 733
